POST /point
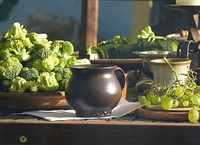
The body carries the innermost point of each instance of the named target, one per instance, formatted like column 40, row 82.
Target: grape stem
column 172, row 69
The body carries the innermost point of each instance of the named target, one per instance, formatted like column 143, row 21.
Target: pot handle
column 120, row 76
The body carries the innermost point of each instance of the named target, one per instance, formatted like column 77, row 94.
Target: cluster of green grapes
column 178, row 95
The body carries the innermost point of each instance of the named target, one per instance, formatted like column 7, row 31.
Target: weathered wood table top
column 128, row 130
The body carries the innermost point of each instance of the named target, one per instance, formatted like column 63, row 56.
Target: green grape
column 185, row 103
column 185, row 97
column 167, row 103
column 162, row 97
column 142, row 100
column 179, row 91
column 156, row 100
column 175, row 104
column 147, row 103
column 189, row 92
column 153, row 98
column 150, row 97
column 193, row 115
column 195, row 99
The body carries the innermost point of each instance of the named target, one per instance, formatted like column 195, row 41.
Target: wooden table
column 129, row 130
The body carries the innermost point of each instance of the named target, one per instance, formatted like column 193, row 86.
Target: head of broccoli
column 62, row 48
column 29, row 62
column 39, row 40
column 63, row 76
column 17, row 43
column 44, row 65
column 4, row 54
column 20, row 48
column 17, row 85
column 32, row 86
column 42, row 53
column 47, row 81
column 29, row 74
column 43, row 60
column 16, row 31
column 10, row 68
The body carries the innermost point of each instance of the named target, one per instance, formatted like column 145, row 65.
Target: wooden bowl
column 32, row 101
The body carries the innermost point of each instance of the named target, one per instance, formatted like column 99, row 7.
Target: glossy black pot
column 94, row 90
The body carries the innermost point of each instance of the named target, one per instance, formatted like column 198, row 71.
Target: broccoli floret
column 40, row 40
column 4, row 55
column 49, row 63
column 32, row 86
column 29, row 74
column 44, row 65
column 20, row 85
column 66, row 62
column 17, row 85
column 62, row 62
column 71, row 61
column 33, row 63
column 17, row 43
column 47, row 81
column 29, row 62
column 42, row 53
column 10, row 68
column 43, row 60
column 16, row 31
column 63, row 84
column 20, row 48
column 62, row 48
column 63, row 76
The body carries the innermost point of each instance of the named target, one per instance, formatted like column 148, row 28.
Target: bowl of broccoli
column 31, row 64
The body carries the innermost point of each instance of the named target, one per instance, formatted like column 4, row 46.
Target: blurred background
column 60, row 19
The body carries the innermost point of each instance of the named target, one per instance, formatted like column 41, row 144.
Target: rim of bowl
column 171, row 61
column 152, row 53
column 94, row 66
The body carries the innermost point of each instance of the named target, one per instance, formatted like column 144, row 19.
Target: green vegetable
column 39, row 40
column 63, row 76
column 16, row 43
column 4, row 54
column 42, row 53
column 62, row 48
column 16, row 31
column 46, row 64
column 43, row 60
column 20, row 48
column 32, row 86
column 10, row 68
column 29, row 74
column 124, row 47
column 47, row 81
column 31, row 63
column 18, row 85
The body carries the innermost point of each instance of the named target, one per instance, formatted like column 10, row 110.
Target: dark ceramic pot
column 94, row 90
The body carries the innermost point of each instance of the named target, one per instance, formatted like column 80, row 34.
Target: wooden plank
column 127, row 130
column 104, row 133
column 89, row 22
